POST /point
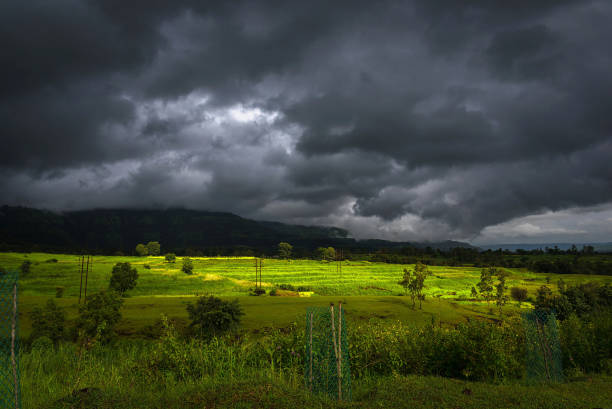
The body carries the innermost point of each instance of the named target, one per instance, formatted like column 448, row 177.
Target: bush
column 59, row 292
column 187, row 266
column 273, row 292
column 99, row 316
column 142, row 250
column 286, row 287
column 211, row 316
column 146, row 266
column 170, row 257
column 25, row 267
column 303, row 289
column 51, row 260
column 518, row 294
column 48, row 322
column 123, row 278
column 586, row 343
column 42, row 343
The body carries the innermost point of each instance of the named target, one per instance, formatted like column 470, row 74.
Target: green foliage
column 170, row 257
column 42, row 343
column 211, row 316
column 328, row 254
column 153, row 248
column 518, row 294
column 146, row 266
column 586, row 343
column 48, row 322
column 25, row 267
column 581, row 299
column 415, row 283
column 142, row 250
column 485, row 285
column 59, row 292
column 500, row 290
column 123, row 277
column 474, row 293
column 284, row 250
column 99, row 316
column 405, row 282
column 187, row 267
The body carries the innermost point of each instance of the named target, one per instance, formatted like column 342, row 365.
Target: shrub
column 170, row 257
column 26, row 267
column 51, row 260
column 42, row 343
column 273, row 292
column 518, row 294
column 123, row 278
column 286, row 287
column 59, row 292
column 187, row 266
column 142, row 250
column 146, row 266
column 48, row 322
column 99, row 316
column 586, row 343
column 211, row 316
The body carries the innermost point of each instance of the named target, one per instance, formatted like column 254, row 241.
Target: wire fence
column 542, row 347
column 9, row 342
column 327, row 364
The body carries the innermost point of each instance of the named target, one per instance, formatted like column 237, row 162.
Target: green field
column 369, row 290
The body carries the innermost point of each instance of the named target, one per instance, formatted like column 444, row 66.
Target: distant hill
column 600, row 247
column 111, row 230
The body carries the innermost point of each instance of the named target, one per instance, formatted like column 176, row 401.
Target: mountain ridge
column 105, row 230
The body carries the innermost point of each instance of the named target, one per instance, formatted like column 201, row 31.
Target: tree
column 500, row 290
column 187, row 266
column 123, row 278
column 330, row 254
column 99, row 316
column 405, row 282
column 284, row 250
column 48, row 322
column 153, row 248
column 211, row 316
column 170, row 257
column 142, row 250
column 518, row 294
column 419, row 275
column 485, row 285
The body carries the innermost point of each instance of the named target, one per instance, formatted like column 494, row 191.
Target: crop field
column 368, row 290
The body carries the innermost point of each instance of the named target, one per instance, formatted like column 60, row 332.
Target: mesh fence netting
column 542, row 347
column 9, row 342
column 326, row 363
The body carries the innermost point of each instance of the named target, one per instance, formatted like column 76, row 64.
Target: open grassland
column 369, row 290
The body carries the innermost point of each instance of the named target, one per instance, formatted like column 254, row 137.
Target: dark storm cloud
column 395, row 119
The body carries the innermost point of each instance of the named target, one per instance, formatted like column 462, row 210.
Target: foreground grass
column 100, row 379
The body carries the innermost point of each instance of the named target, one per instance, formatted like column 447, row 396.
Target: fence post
column 13, row 336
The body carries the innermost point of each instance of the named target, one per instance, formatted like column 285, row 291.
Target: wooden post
column 81, row 288
column 311, row 317
column 340, row 350
column 86, row 275
column 13, row 336
column 333, row 326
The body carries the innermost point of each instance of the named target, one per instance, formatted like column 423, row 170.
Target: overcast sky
column 483, row 121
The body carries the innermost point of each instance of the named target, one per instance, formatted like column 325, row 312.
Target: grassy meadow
column 368, row 290
column 260, row 370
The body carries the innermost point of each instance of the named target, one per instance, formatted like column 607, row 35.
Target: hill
column 182, row 231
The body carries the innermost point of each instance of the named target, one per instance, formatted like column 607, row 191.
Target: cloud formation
column 399, row 120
